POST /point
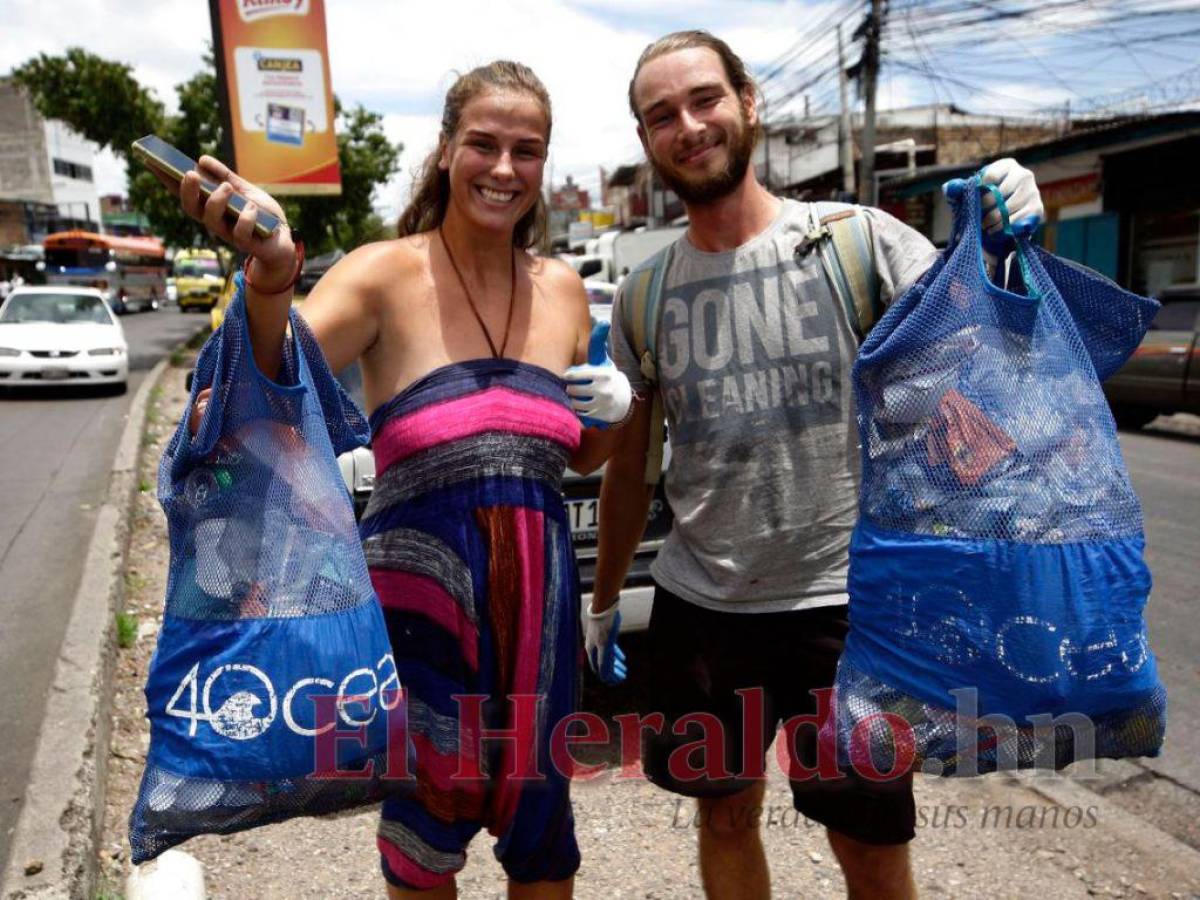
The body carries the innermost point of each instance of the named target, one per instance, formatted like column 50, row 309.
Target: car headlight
column 9, row 351
column 106, row 351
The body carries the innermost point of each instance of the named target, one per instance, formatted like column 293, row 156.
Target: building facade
column 1121, row 197
column 47, row 173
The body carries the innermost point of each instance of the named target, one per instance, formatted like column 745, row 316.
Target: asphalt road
column 56, row 451
column 1164, row 463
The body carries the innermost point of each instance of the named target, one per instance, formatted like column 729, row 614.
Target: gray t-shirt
column 754, row 355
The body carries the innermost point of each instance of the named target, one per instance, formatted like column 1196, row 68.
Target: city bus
column 130, row 271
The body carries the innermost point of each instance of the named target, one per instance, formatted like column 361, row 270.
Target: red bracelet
column 299, row 245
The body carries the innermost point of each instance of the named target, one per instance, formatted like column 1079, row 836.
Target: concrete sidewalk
column 982, row 838
column 996, row 836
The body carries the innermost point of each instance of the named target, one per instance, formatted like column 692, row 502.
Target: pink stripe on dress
column 421, row 594
column 408, row 871
column 493, row 409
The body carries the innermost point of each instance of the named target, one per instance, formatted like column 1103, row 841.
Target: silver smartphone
column 157, row 154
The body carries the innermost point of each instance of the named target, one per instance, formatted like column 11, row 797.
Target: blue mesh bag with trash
column 272, row 692
column 997, row 581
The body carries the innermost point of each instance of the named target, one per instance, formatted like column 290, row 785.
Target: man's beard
column 723, row 183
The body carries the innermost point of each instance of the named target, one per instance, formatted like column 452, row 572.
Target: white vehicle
column 631, row 248
column 612, row 255
column 61, row 335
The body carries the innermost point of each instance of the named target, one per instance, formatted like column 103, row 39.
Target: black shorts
column 743, row 674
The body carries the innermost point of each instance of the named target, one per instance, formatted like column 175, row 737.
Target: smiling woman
column 475, row 360
column 528, row 132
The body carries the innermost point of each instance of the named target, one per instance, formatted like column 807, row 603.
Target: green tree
column 98, row 98
column 367, row 160
column 196, row 130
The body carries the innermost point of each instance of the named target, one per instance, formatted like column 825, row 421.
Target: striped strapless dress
column 469, row 549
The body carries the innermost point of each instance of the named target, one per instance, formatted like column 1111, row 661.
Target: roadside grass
column 198, row 341
column 127, row 626
column 144, row 486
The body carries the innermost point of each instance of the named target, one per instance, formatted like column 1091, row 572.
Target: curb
column 1066, row 792
column 62, row 817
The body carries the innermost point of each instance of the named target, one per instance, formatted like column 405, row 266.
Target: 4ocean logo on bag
column 957, row 630
column 240, row 702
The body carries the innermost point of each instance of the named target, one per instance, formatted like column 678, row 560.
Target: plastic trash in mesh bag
column 997, row 581
column 273, row 681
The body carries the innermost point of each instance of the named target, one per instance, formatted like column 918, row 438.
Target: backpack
column 837, row 231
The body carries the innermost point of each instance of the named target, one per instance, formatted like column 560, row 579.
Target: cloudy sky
column 398, row 57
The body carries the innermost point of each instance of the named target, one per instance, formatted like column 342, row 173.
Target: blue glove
column 600, row 393
column 600, row 631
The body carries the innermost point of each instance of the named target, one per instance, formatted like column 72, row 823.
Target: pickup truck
column 1163, row 375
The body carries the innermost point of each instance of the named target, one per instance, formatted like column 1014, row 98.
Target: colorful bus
column 131, row 271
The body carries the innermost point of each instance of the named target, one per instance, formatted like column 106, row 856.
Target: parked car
column 61, row 335
column 1163, row 375
column 316, row 267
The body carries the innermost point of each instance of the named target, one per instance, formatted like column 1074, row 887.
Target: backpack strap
column 641, row 315
column 842, row 237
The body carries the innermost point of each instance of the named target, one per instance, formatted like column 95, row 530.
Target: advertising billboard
column 273, row 64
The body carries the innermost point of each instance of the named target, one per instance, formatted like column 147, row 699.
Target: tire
column 1134, row 418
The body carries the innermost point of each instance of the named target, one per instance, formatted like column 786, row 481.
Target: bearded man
column 754, row 356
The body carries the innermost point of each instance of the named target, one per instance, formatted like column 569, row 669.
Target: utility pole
column 766, row 144
column 846, row 136
column 870, row 74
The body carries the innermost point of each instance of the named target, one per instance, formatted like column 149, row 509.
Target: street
column 58, row 447
column 1164, row 463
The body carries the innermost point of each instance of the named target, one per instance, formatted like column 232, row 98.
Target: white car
column 61, row 335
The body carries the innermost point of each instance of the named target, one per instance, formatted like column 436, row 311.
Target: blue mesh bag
column 272, row 692
column 997, row 582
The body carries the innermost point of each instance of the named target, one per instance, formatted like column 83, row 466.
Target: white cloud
column 163, row 41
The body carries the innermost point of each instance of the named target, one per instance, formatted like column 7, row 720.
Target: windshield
column 59, row 308
column 195, row 268
column 77, row 257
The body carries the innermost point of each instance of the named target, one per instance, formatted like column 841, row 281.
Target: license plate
column 55, row 374
column 584, row 516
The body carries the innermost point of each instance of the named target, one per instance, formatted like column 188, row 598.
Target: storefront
column 1156, row 190
column 1123, row 199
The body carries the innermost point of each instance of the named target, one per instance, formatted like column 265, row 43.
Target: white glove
column 600, row 632
column 1021, row 196
column 600, row 395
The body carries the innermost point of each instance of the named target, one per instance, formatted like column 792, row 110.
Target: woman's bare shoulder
column 381, row 263
column 552, row 273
